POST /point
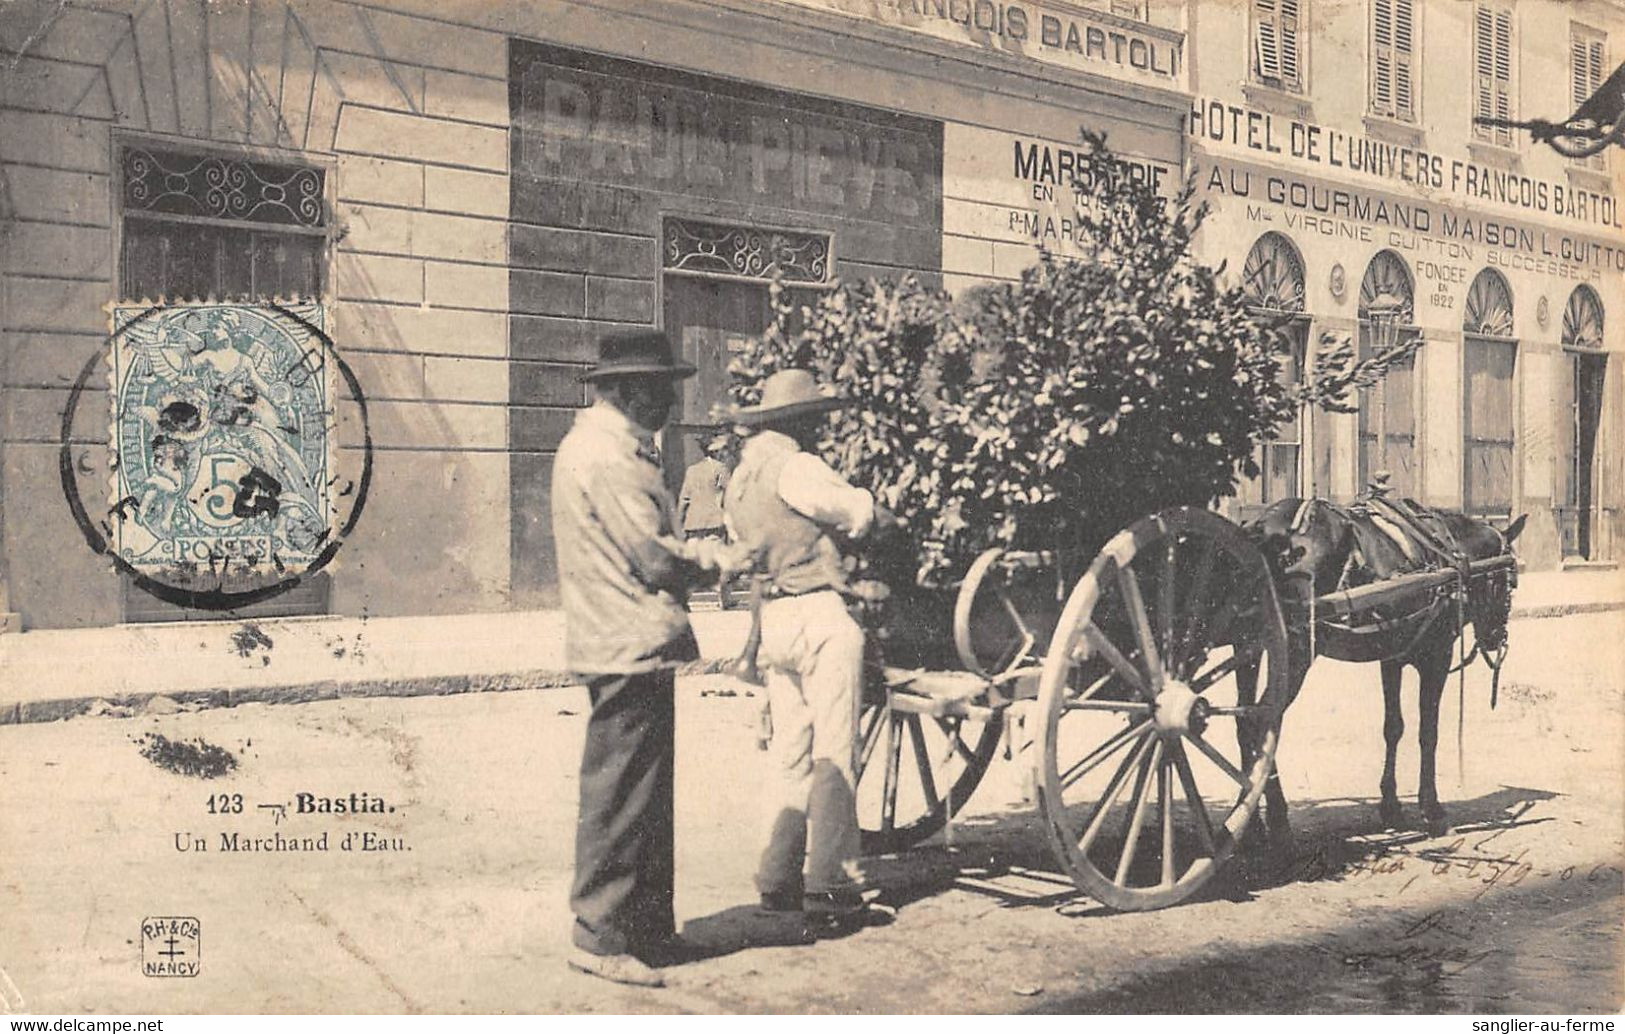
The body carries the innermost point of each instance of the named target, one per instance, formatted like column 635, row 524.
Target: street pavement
column 1517, row 909
column 50, row 674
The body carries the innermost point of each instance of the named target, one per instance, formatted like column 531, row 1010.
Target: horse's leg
column 1275, row 822
column 1247, row 739
column 1434, row 670
column 1393, row 727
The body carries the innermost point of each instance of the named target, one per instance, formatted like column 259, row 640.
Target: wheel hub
column 1177, row 710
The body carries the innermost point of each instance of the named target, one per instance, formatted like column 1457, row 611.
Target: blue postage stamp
column 223, row 434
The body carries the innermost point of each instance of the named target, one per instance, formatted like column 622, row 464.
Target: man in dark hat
column 624, row 578
column 784, row 505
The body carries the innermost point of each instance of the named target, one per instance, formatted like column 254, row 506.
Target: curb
column 133, row 705
column 136, row 705
column 1558, row 610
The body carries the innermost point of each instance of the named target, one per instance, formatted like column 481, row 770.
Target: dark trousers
column 623, row 882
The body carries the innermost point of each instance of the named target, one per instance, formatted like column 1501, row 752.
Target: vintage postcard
column 812, row 506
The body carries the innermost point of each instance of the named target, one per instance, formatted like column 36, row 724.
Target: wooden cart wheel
column 1004, row 611
column 1140, row 692
column 914, row 769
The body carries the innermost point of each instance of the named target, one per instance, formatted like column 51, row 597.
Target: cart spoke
column 1114, row 789
column 1129, row 584
column 922, row 761
column 1204, row 824
column 1240, row 656
column 1096, row 686
column 1142, row 783
column 894, row 750
column 1101, row 753
column 1102, row 646
column 1165, row 599
column 871, row 736
column 1218, row 759
column 1165, row 806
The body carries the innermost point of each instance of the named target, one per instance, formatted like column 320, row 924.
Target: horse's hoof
column 1393, row 816
column 1438, row 823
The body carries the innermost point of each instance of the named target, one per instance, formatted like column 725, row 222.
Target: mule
column 1316, row 547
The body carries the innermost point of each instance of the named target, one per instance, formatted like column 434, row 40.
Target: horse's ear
column 1515, row 528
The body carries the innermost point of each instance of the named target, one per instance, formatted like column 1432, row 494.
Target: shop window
column 715, row 299
column 1580, row 513
column 1278, row 39
column 1393, row 59
column 1387, row 411
column 1273, row 282
column 1492, row 71
column 1588, row 50
column 1490, row 357
column 198, row 225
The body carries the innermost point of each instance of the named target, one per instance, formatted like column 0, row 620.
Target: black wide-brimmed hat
column 639, row 352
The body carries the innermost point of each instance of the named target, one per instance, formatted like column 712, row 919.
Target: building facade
column 476, row 192
column 1353, row 196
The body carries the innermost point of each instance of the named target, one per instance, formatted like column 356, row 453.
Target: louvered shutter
column 1382, row 57
column 1585, row 74
column 1492, row 70
column 1404, row 61
column 1266, row 42
column 1291, row 49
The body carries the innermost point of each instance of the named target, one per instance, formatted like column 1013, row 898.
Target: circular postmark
column 225, row 473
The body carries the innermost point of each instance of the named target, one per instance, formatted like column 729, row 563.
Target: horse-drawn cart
column 1160, row 672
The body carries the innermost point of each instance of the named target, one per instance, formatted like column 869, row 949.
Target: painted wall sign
column 1017, row 189
column 1448, row 241
column 1052, row 32
column 1232, row 126
column 603, row 120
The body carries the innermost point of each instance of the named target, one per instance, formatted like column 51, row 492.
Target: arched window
column 1387, row 420
column 1272, row 279
column 1488, row 422
column 1582, row 319
column 1579, row 413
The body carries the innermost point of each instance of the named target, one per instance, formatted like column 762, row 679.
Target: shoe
column 830, row 916
column 622, row 969
column 781, row 900
column 668, row 951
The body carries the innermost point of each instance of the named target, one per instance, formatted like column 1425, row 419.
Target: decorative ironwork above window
column 1582, row 319
column 1489, row 306
column 177, row 183
column 693, row 246
column 1272, row 277
column 1386, row 290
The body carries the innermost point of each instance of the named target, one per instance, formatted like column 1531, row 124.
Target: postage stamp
column 223, row 416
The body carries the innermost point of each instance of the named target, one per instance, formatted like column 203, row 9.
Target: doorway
column 1579, row 472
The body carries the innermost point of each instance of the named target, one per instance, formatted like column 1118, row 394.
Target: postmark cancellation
column 223, row 434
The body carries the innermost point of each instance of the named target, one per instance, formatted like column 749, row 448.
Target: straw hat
column 786, row 395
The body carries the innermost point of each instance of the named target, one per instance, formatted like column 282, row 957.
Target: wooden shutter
column 1382, row 57
column 1492, row 70
column 1266, row 42
column 1404, row 60
column 1291, row 45
column 1586, row 48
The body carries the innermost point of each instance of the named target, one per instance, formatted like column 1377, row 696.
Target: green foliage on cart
column 1050, row 412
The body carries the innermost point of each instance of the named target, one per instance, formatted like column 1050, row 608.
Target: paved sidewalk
column 130, row 669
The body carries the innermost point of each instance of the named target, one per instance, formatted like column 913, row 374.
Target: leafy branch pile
column 1050, row 412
